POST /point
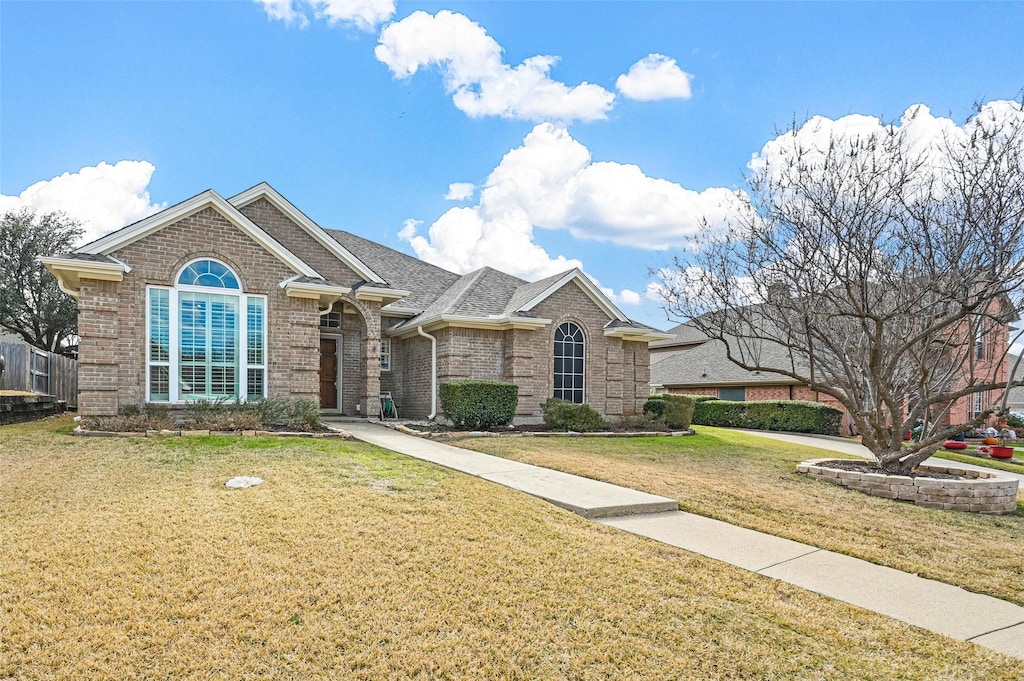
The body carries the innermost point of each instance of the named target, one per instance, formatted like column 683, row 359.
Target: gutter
column 433, row 371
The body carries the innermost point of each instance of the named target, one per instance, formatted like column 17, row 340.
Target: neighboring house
column 691, row 363
column 1015, row 398
column 247, row 297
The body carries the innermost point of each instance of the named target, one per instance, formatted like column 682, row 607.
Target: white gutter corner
column 433, row 371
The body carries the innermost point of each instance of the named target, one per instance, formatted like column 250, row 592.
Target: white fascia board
column 69, row 272
column 380, row 294
column 494, row 323
column 594, row 293
column 628, row 334
column 404, row 312
column 326, row 295
column 265, row 191
column 306, row 289
column 154, row 223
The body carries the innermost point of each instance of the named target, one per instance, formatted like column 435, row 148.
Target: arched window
column 570, row 356
column 208, row 273
column 207, row 340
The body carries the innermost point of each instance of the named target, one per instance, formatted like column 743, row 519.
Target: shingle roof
column 707, row 364
column 685, row 334
column 424, row 281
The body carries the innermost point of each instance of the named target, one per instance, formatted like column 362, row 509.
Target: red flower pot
column 997, row 452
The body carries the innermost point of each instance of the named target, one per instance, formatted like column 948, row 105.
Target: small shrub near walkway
column 479, row 405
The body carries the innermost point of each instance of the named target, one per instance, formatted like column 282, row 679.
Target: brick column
column 371, row 358
column 98, row 348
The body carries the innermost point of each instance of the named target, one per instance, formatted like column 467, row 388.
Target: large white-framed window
column 570, row 362
column 385, row 354
column 206, row 339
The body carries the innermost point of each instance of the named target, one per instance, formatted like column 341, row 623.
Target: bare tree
column 882, row 269
column 31, row 304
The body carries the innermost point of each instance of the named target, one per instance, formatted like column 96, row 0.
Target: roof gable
column 543, row 289
column 208, row 199
column 265, row 191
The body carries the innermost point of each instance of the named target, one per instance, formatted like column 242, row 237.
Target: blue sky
column 222, row 95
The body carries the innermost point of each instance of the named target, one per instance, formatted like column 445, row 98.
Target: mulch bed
column 871, row 467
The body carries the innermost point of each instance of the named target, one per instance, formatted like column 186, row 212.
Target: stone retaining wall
column 979, row 492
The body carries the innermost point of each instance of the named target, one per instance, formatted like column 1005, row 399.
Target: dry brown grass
column 751, row 481
column 127, row 558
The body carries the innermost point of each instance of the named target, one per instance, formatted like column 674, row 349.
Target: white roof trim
column 265, row 191
column 154, row 223
column 70, row 271
column 594, row 293
column 495, row 322
column 635, row 334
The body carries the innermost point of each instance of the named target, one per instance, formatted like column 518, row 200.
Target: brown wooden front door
column 328, row 373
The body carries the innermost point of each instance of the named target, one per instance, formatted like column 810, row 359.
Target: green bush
column 679, row 411
column 655, row 407
column 792, row 416
column 564, row 415
column 479, row 404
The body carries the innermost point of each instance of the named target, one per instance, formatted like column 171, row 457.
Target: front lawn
column 128, row 558
column 752, row 481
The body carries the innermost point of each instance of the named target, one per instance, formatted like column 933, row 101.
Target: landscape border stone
column 977, row 492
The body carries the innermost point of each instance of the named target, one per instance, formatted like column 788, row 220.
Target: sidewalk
column 928, row 604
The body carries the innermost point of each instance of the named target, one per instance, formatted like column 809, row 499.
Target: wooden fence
column 38, row 371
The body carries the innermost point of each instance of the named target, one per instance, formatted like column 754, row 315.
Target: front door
column 328, row 373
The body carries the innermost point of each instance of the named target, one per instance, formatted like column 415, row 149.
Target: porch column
column 371, row 358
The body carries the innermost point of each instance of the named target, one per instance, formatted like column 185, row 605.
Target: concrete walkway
column 589, row 498
column 928, row 604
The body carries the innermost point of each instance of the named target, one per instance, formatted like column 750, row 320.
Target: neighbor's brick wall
column 114, row 314
column 296, row 240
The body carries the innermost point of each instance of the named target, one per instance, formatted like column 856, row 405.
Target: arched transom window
column 570, row 355
column 206, row 339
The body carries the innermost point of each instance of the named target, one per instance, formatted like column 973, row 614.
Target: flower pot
column 991, row 440
column 998, row 452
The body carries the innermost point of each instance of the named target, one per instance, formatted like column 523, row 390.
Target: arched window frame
column 577, row 355
column 165, row 382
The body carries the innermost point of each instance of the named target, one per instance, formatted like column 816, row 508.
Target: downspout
column 433, row 371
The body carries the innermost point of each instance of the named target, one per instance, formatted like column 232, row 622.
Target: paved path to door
column 925, row 603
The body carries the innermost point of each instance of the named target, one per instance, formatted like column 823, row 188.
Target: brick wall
column 112, row 315
column 296, row 240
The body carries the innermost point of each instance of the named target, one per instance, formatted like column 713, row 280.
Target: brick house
column 247, row 297
column 691, row 363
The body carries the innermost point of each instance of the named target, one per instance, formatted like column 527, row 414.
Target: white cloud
column 283, row 10
column 460, row 191
column 481, row 84
column 409, row 229
column 655, row 77
column 550, row 182
column 917, row 131
column 624, row 297
column 104, row 197
column 365, row 15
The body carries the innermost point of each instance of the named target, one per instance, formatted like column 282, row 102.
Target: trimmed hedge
column 568, row 416
column 479, row 404
column 675, row 410
column 785, row 415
